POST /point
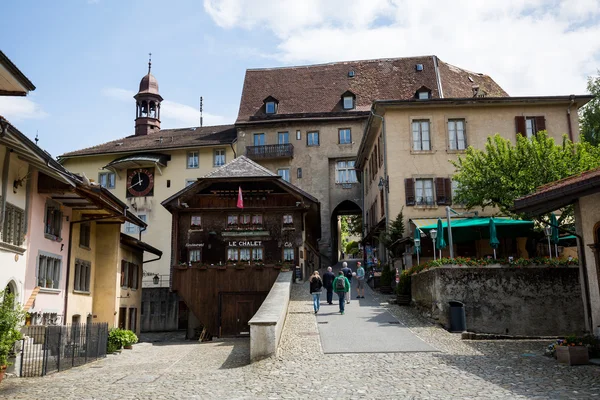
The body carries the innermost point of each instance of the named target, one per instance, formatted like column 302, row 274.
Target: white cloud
column 530, row 47
column 20, row 108
column 172, row 114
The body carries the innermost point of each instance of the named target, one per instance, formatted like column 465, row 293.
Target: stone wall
column 160, row 310
column 531, row 301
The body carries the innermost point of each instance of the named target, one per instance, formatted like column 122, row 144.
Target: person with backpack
column 315, row 289
column 328, row 278
column 341, row 286
column 348, row 274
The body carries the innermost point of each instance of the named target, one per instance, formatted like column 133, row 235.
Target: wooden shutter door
column 520, row 125
column 540, row 124
column 440, row 191
column 409, row 191
column 448, row 187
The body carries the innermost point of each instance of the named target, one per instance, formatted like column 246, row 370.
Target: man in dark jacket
column 348, row 274
column 328, row 278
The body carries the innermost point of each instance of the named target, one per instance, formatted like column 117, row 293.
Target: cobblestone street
column 459, row 370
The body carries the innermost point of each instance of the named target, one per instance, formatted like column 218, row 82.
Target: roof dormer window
column 423, row 93
column 271, row 105
column 348, row 100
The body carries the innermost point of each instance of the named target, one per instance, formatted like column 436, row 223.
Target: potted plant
column 120, row 338
column 386, row 280
column 11, row 316
column 259, row 264
column 573, row 350
column 403, row 289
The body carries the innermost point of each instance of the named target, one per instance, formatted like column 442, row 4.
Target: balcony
column 270, row 151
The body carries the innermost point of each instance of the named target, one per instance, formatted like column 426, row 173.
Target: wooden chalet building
column 224, row 257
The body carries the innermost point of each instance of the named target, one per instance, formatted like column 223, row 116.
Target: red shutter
column 540, row 124
column 448, row 186
column 409, row 190
column 520, row 125
column 440, row 191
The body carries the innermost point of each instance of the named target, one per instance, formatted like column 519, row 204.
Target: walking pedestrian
column 328, row 278
column 360, row 280
column 341, row 285
column 315, row 289
column 348, row 274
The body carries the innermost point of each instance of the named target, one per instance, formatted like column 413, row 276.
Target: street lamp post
column 548, row 232
column 433, row 234
column 417, row 247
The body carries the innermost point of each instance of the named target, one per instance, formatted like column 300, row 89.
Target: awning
column 139, row 160
column 469, row 229
column 568, row 241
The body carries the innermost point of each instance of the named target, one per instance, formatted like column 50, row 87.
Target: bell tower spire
column 147, row 115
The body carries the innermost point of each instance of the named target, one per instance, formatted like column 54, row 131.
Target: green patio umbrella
column 494, row 242
column 440, row 242
column 554, row 237
column 417, row 239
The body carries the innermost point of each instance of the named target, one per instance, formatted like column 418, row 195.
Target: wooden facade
column 225, row 258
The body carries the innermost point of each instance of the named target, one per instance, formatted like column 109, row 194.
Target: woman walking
column 316, row 284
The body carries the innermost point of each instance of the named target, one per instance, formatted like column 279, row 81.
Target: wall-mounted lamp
column 155, row 279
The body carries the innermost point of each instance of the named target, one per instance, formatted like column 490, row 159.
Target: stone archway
column 346, row 207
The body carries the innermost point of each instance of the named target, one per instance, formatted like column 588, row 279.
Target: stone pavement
column 216, row 370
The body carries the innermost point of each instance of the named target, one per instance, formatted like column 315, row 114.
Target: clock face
column 140, row 182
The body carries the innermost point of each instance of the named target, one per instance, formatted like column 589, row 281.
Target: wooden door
column 122, row 317
column 244, row 311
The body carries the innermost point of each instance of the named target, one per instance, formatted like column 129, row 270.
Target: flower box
column 572, row 355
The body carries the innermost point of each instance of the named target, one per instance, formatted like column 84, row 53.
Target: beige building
column 306, row 123
column 408, row 144
column 584, row 192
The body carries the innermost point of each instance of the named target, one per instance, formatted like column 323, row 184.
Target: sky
column 86, row 57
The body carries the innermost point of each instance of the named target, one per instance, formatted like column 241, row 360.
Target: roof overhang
column 12, row 81
column 280, row 118
column 547, row 200
column 139, row 160
column 138, row 244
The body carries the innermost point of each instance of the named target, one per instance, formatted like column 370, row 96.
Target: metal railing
column 285, row 150
column 53, row 348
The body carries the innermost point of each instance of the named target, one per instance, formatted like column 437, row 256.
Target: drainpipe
column 572, row 97
column 386, row 192
column 232, row 149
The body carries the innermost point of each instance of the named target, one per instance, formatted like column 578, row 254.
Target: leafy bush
column 352, row 248
column 403, row 286
column 118, row 338
column 11, row 317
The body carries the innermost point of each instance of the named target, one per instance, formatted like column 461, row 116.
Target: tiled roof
column 241, row 167
column 164, row 139
column 564, row 183
column 317, row 89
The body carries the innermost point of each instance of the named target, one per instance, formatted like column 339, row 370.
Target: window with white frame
column 133, row 229
column 348, row 102
column 420, row 130
column 48, row 273
column 298, row 135
column 53, row 225
column 257, row 219
column 232, row 220
column 283, row 138
column 82, row 275
column 219, row 157
column 284, row 173
column 288, row 219
column 245, row 219
column 424, row 192
column 259, row 139
column 232, row 254
column 196, row 221
column 245, row 254
column 312, row 139
column 345, row 172
column 193, row 159
column 345, row 136
column 456, row 134
column 107, row 179
column 194, row 255
column 257, row 254
column 530, row 127
column 13, row 226
column 455, row 189
column 288, row 254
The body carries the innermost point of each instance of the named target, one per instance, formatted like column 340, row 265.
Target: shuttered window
column 529, row 126
column 82, row 275
column 409, row 190
column 13, row 225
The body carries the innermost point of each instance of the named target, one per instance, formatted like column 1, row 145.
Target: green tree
column 393, row 234
column 11, row 318
column 352, row 248
column 503, row 172
column 590, row 113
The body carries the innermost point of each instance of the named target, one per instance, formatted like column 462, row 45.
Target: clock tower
column 147, row 115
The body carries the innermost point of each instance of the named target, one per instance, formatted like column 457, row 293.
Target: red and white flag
column 240, row 203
